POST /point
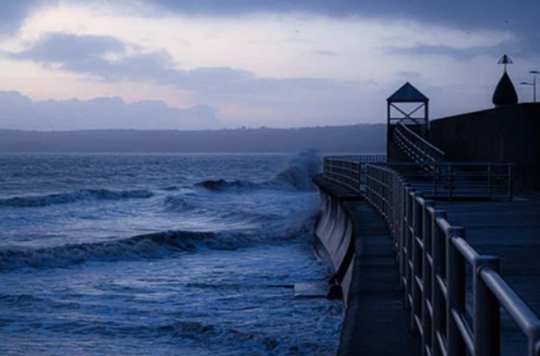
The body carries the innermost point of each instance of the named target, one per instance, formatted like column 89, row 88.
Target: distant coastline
column 329, row 139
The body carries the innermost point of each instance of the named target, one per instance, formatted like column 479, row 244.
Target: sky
column 196, row 64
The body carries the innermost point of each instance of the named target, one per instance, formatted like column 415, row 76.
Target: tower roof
column 407, row 94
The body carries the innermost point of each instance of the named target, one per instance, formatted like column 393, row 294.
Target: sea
column 161, row 254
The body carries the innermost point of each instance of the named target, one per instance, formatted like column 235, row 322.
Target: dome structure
column 505, row 92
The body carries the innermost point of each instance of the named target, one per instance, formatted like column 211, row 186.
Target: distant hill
column 357, row 138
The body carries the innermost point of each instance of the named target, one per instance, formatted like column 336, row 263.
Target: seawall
column 335, row 236
column 357, row 242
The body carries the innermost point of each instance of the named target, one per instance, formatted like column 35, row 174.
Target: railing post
column 455, row 275
column 511, row 181
column 408, row 244
column 402, row 239
column 487, row 320
column 451, row 182
column 426, row 275
column 416, row 293
column 438, row 299
column 427, row 270
column 490, row 181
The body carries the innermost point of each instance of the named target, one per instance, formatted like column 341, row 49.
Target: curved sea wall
column 334, row 231
column 357, row 242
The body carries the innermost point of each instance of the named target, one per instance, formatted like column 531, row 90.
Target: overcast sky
column 196, row 64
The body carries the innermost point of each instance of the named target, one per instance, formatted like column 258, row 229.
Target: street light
column 533, row 84
column 534, row 73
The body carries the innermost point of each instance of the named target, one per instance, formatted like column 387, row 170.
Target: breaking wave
column 148, row 246
column 297, row 175
column 154, row 245
column 221, row 184
column 72, row 197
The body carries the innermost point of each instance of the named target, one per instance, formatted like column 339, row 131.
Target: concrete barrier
column 334, row 231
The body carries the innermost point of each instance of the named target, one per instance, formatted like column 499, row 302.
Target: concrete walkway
column 375, row 322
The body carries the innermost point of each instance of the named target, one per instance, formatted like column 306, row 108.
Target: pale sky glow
column 253, row 67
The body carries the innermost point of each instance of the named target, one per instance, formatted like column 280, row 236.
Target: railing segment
column 416, row 148
column 454, row 180
column 348, row 171
column 433, row 257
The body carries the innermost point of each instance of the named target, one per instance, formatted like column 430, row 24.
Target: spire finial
column 505, row 60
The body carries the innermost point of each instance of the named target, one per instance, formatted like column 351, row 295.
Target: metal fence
column 444, row 180
column 349, row 171
column 455, row 180
column 433, row 257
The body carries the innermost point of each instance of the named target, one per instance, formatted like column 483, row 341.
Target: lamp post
column 533, row 84
column 534, row 73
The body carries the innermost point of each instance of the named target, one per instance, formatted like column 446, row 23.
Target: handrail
column 444, row 180
column 432, row 257
column 452, row 180
column 415, row 147
column 423, row 141
column 348, row 171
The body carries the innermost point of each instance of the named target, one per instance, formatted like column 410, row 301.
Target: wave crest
column 72, row 197
column 297, row 175
column 155, row 245
column 300, row 171
column 222, row 184
column 148, row 246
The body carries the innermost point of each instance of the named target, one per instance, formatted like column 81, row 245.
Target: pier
column 437, row 254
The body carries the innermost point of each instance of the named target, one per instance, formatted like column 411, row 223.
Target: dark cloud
column 13, row 13
column 60, row 47
column 503, row 15
column 91, row 55
column 19, row 112
column 462, row 13
column 447, row 51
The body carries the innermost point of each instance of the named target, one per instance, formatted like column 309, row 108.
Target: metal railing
column 455, row 180
column 445, row 180
column 433, row 258
column 348, row 171
column 416, row 148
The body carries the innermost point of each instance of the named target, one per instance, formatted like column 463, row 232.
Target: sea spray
column 301, row 169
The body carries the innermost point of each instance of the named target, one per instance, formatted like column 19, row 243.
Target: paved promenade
column 376, row 324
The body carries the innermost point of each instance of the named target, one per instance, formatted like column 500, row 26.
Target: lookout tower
column 408, row 106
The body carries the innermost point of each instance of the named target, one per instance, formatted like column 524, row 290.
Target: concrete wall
column 335, row 238
column 509, row 134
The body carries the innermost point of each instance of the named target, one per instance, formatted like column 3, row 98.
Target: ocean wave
column 216, row 212
column 175, row 203
column 226, row 338
column 148, row 246
column 300, row 171
column 297, row 175
column 155, row 245
column 221, row 184
column 72, row 197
